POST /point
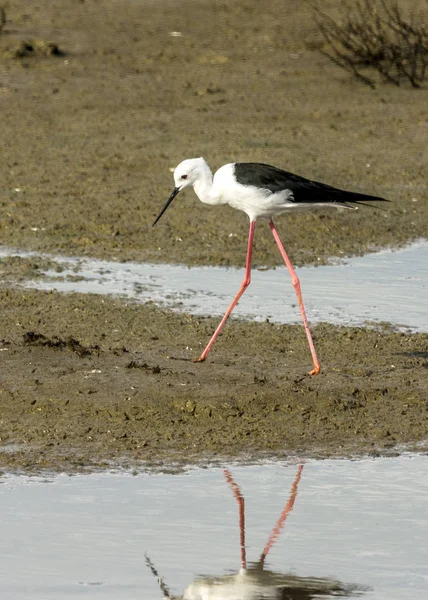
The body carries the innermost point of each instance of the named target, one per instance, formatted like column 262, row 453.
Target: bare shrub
column 377, row 36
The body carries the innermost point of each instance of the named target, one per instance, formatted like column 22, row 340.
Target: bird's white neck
column 204, row 188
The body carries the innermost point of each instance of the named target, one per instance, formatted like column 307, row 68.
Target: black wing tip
column 371, row 199
column 358, row 198
column 377, row 199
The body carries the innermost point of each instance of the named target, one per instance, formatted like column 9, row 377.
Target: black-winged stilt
column 261, row 191
column 251, row 581
column 255, row 580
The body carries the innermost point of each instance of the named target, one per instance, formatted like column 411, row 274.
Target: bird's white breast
column 243, row 585
column 255, row 202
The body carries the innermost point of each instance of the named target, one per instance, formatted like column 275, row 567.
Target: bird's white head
column 188, row 172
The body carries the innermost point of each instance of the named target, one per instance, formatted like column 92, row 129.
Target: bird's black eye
column 183, row 177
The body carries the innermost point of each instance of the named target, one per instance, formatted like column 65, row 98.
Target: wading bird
column 255, row 581
column 261, row 191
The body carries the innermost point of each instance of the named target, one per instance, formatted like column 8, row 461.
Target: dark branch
column 376, row 36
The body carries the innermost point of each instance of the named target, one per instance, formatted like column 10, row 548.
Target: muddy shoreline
column 117, row 387
column 89, row 135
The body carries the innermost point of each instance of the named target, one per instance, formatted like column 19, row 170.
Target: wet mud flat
column 100, row 99
column 90, row 382
column 98, row 103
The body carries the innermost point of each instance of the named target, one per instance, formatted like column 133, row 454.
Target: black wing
column 304, row 190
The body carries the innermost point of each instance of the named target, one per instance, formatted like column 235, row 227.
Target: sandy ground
column 91, row 126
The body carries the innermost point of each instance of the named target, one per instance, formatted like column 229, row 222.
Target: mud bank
column 98, row 102
column 89, row 382
column 90, row 132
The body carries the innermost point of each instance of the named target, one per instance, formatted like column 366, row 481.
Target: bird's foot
column 315, row 370
column 200, row 359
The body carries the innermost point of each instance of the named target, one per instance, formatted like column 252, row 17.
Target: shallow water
column 357, row 527
column 389, row 286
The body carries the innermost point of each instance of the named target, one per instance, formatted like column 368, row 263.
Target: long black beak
column 167, row 203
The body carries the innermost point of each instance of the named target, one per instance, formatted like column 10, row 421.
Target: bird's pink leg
column 296, row 284
column 244, row 285
column 287, row 509
column 241, row 504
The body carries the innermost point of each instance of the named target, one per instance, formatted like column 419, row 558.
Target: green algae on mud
column 89, row 382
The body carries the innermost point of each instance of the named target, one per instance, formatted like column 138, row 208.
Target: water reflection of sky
column 356, row 523
column 386, row 286
column 254, row 580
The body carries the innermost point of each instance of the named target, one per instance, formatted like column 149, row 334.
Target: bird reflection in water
column 253, row 581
